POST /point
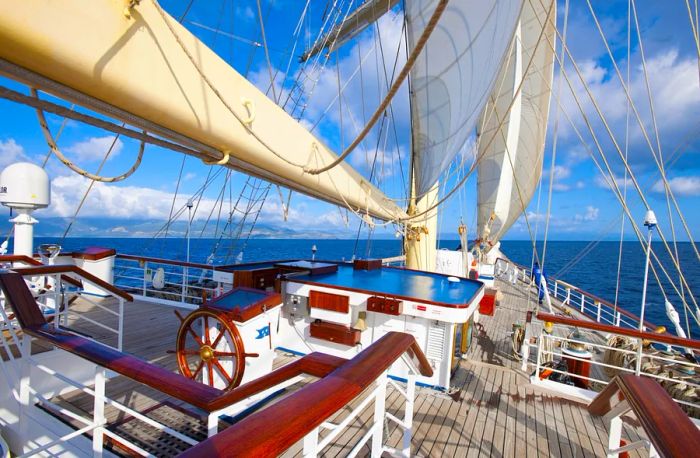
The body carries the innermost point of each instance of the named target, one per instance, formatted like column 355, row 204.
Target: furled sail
column 355, row 23
column 453, row 77
column 127, row 60
column 511, row 144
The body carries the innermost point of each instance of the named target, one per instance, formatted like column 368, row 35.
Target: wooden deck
column 494, row 410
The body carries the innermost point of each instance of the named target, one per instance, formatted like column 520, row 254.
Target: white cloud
column 605, row 183
column 113, row 201
column 11, row 152
column 143, row 203
column 561, row 173
column 384, row 163
column 245, row 13
column 676, row 95
column 95, row 148
column 680, row 186
column 590, row 215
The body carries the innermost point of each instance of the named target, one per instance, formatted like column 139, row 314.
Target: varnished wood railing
column 667, row 427
column 274, row 429
column 652, row 336
column 29, row 261
column 71, row 269
column 341, row 380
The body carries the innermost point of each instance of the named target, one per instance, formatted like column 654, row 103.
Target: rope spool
column 617, row 358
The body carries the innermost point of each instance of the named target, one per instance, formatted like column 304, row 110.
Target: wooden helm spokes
column 210, row 349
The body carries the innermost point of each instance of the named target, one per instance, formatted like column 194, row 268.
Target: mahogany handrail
column 663, row 338
column 69, row 268
column 297, row 415
column 194, row 393
column 666, row 425
column 592, row 296
column 33, row 262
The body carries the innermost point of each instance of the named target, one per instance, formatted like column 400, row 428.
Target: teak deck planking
column 493, row 412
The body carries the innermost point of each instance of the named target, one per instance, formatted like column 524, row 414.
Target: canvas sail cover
column 453, row 77
column 511, row 143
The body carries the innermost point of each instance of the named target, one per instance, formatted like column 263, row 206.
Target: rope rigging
column 51, row 141
column 617, row 149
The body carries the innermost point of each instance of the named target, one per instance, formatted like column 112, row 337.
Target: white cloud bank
column 680, row 186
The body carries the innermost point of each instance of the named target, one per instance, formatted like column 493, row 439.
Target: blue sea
column 596, row 272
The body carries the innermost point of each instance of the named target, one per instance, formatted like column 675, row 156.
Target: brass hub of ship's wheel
column 210, row 349
column 206, row 353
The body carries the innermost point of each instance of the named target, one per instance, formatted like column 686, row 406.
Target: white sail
column 511, row 145
column 453, row 77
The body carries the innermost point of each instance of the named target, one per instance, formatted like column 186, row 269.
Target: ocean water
column 596, row 272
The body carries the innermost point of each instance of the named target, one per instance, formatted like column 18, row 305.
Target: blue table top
column 238, row 298
column 400, row 283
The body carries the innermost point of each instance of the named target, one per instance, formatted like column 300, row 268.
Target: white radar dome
column 25, row 185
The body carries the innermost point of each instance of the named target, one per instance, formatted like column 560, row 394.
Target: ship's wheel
column 210, row 349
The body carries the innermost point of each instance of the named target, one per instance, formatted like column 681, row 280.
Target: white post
column 650, row 223
column 597, row 303
column 212, row 424
column 615, row 428
column 556, row 289
column 120, row 336
column 24, row 395
column 145, row 272
column 583, row 302
column 311, row 444
column 547, row 299
column 408, row 414
column 98, row 416
column 540, row 341
column 186, row 270
column 24, row 232
column 567, row 301
column 379, row 410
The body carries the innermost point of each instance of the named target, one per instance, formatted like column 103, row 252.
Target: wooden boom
column 129, row 58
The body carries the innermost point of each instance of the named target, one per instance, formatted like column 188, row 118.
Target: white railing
column 315, row 442
column 18, row 374
column 673, row 371
column 593, row 307
column 54, row 296
column 182, row 284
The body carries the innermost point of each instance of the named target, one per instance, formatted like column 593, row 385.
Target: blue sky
column 583, row 207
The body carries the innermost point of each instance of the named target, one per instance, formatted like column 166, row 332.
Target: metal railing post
column 120, row 335
column 540, row 341
column 379, row 410
column 556, row 288
column 567, row 301
column 311, row 444
column 597, row 303
column 24, row 394
column 408, row 414
column 583, row 302
column 184, row 282
column 98, row 416
column 145, row 272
